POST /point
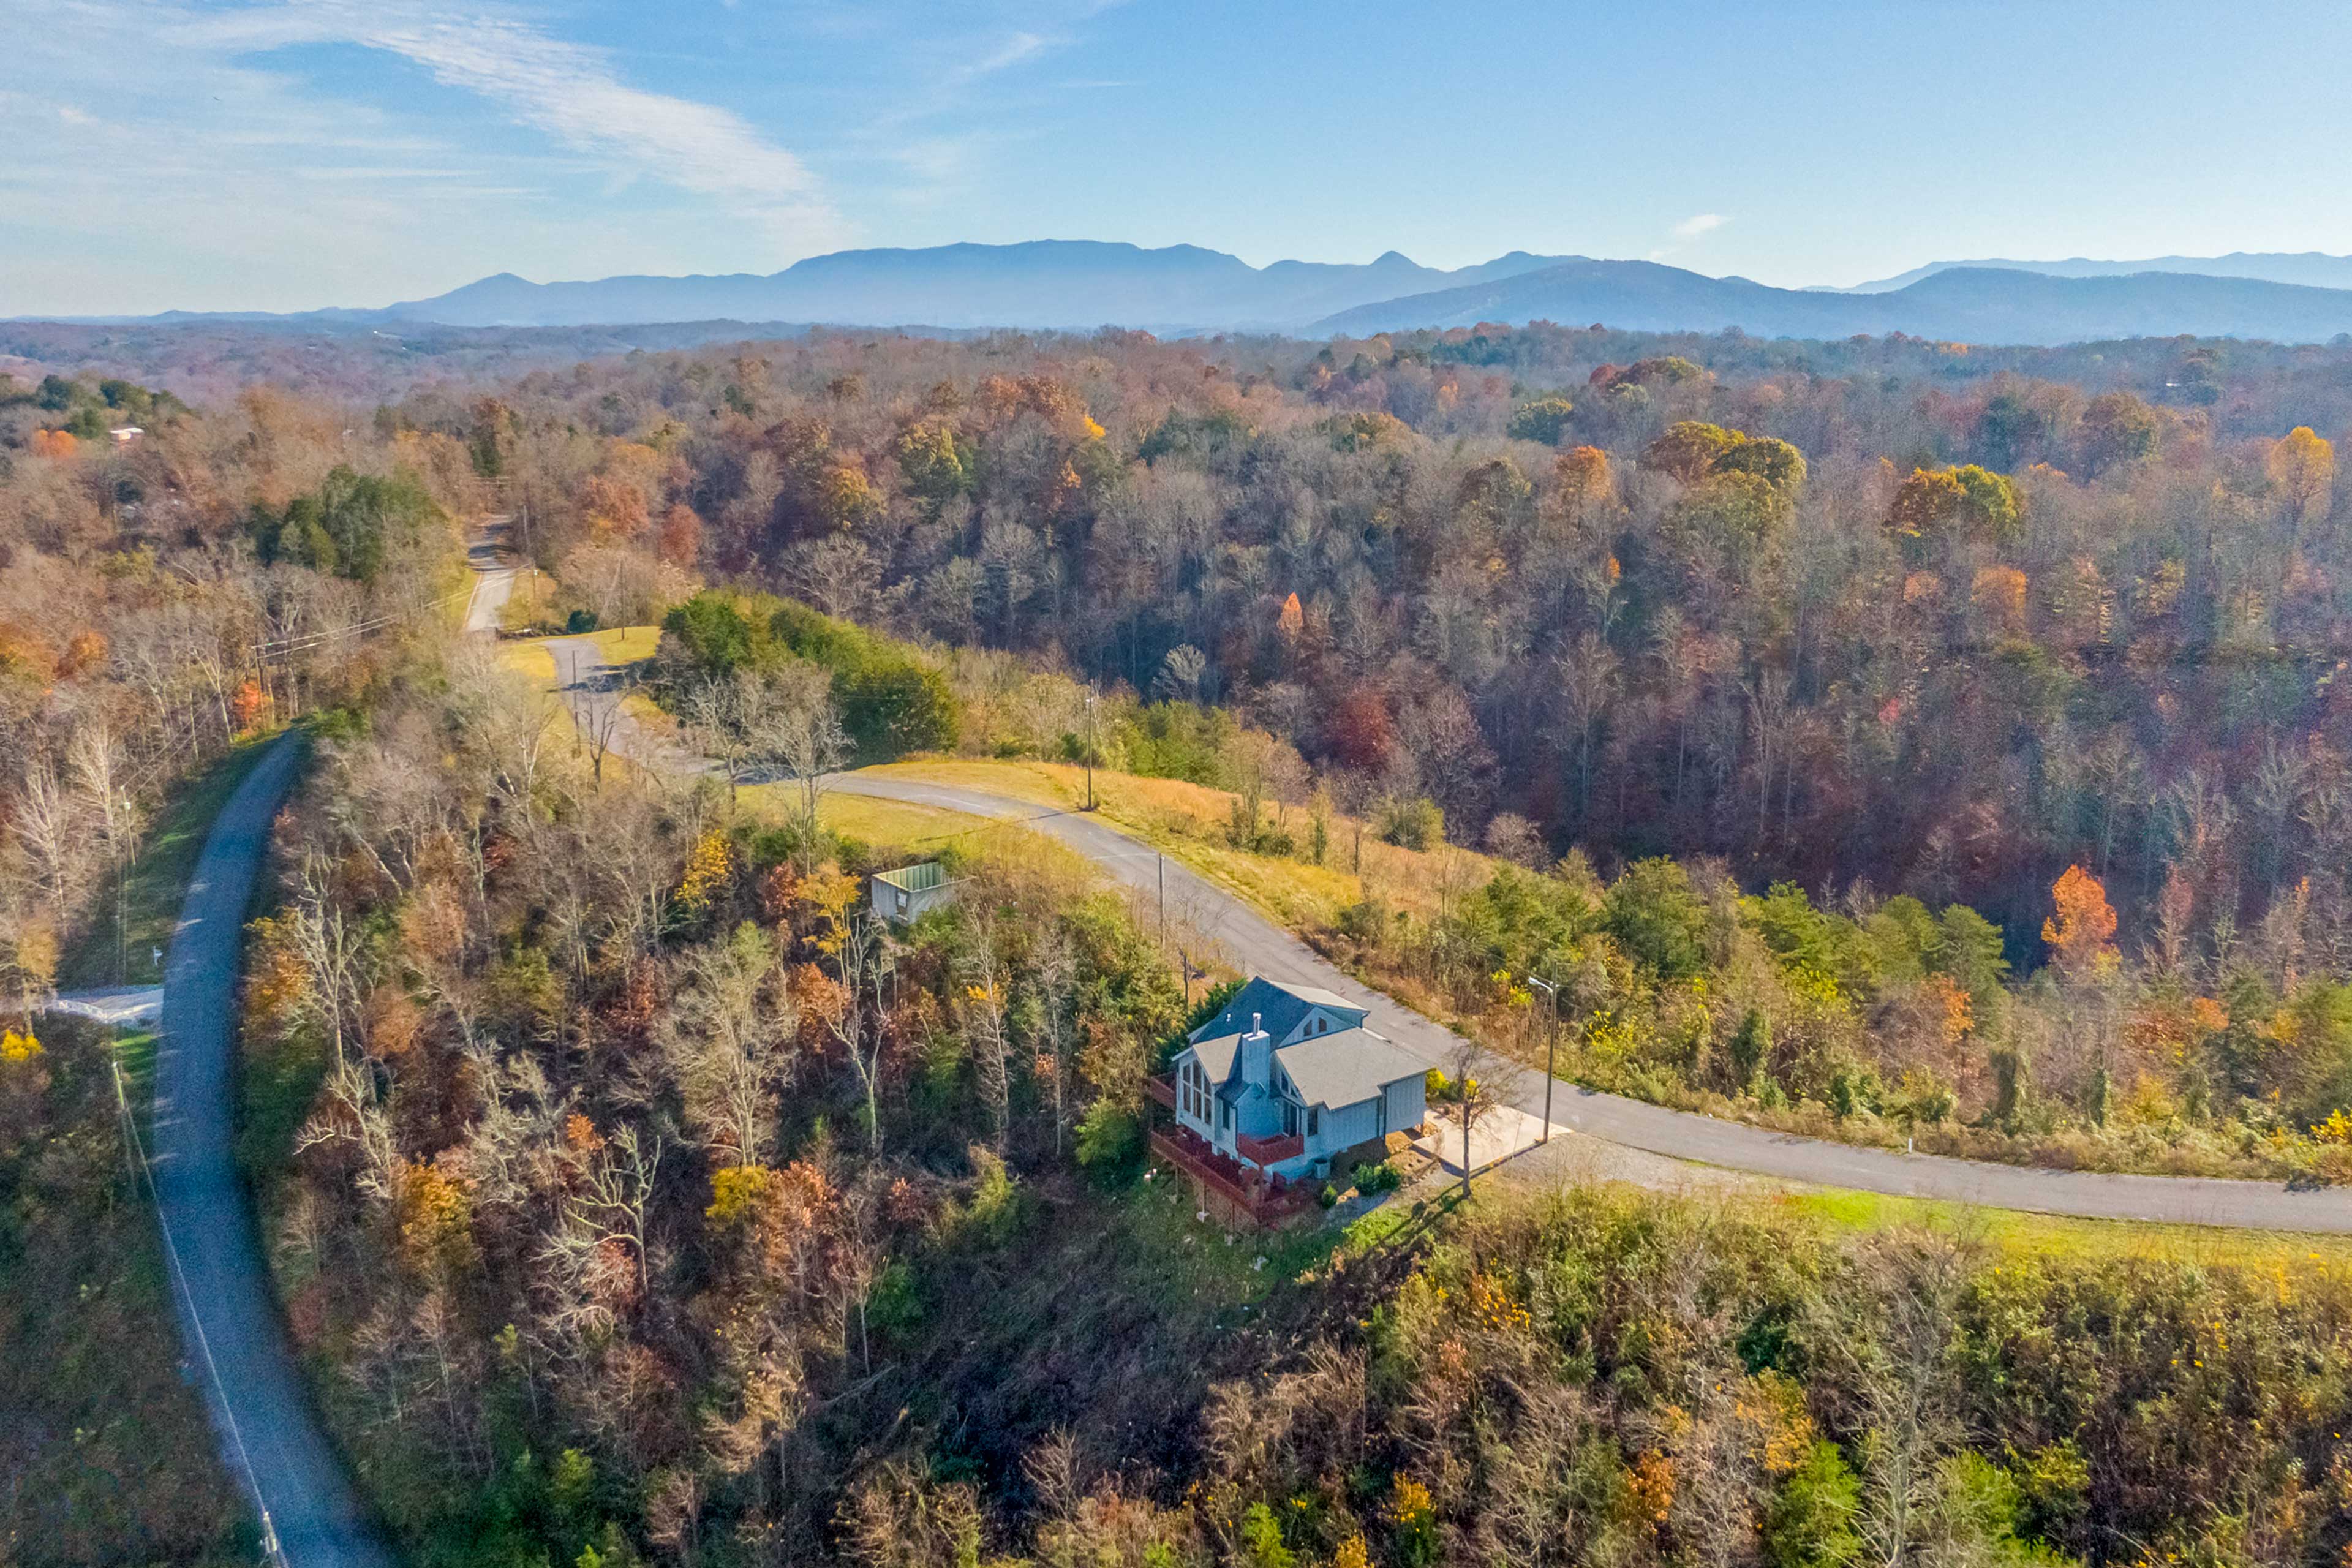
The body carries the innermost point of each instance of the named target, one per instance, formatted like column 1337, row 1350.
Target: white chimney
column 1257, row 1054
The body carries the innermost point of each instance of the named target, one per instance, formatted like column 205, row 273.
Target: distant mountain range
column 1970, row 304
column 1084, row 284
column 1045, row 283
column 2312, row 268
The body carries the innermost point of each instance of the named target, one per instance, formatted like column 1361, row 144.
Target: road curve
column 229, row 1323
column 1256, row 944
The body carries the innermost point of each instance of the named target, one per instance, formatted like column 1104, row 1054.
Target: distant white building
column 125, row 434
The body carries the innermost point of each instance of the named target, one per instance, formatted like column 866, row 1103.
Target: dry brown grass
column 1189, row 821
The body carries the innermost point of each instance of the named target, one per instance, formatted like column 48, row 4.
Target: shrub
column 1109, row 1143
column 1811, row 1522
column 891, row 700
column 1417, row 824
column 1658, row 918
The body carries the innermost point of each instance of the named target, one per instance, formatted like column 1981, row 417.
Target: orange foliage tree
column 2081, row 934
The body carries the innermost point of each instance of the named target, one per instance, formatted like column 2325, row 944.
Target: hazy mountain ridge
column 1082, row 285
column 1988, row 305
column 2312, row 268
column 1038, row 284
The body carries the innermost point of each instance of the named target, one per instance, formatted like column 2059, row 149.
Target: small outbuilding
column 910, row 891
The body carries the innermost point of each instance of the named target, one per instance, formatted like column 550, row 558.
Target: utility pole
column 1551, row 1051
column 1163, row 902
column 1090, row 761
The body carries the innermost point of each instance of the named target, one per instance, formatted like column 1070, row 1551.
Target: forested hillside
column 1880, row 736
column 654, row 1207
column 1993, row 614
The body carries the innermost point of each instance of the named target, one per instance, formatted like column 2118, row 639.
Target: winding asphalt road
column 1257, row 945
column 230, row 1327
column 229, row 1323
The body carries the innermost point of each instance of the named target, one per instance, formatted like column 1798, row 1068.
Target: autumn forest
column 1905, row 742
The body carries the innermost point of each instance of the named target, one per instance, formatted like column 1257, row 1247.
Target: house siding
column 1349, row 1125
column 1408, row 1103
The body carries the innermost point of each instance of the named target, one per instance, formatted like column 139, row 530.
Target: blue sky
column 229, row 154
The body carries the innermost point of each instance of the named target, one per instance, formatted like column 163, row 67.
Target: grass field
column 2015, row 1230
column 151, row 890
column 529, row 657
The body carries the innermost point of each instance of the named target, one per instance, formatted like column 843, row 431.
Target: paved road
column 234, row 1338
column 1256, row 945
column 259, row 1405
column 494, row 576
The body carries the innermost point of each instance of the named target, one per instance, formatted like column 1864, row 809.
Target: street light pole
column 1551, row 1051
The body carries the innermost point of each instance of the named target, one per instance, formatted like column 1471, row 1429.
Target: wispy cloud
column 1698, row 224
column 569, row 92
column 279, row 154
column 1011, row 52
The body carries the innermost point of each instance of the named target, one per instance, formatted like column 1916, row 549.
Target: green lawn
column 2014, row 1230
column 149, row 895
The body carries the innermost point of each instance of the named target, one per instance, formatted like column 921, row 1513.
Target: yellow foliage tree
column 16, row 1047
column 1999, row 594
column 823, row 901
column 2302, row 465
column 707, row 870
column 738, row 1193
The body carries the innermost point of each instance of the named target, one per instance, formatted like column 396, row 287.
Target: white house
column 1288, row 1077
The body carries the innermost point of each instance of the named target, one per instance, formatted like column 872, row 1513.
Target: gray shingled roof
column 1279, row 1006
column 1319, row 998
column 1217, row 1057
column 1333, row 1070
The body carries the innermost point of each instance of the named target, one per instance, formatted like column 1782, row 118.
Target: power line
column 146, row 1171
column 302, row 641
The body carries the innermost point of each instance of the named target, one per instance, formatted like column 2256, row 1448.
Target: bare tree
column 1056, row 969
column 862, row 962
column 728, row 1035
column 102, row 769
column 617, row 1194
column 984, row 1021
column 47, row 827
column 332, row 952
column 795, row 730
column 1480, row 1081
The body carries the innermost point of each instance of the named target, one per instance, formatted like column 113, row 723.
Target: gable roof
column 1316, row 996
column 1342, row 1069
column 1217, row 1057
column 1279, row 1007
